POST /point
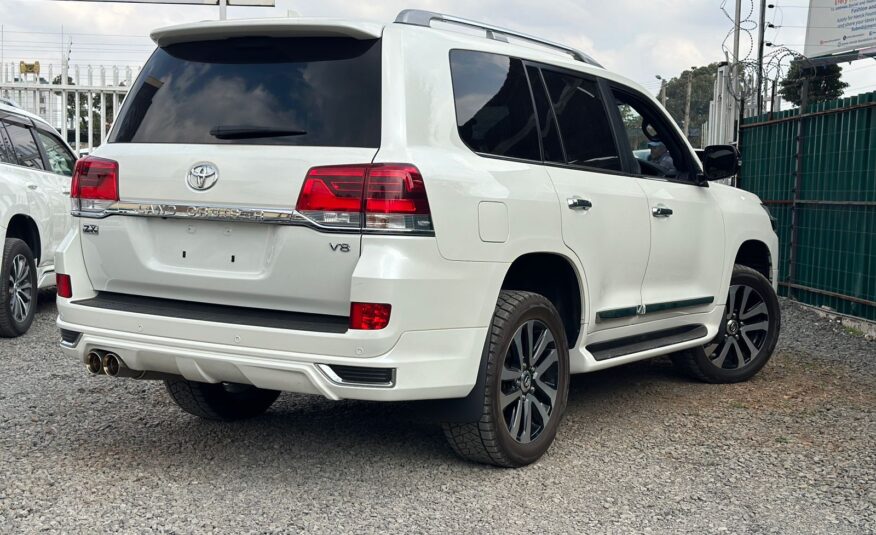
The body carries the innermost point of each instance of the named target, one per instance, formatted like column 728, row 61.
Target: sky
column 637, row 38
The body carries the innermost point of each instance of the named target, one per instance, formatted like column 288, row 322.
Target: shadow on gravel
column 308, row 431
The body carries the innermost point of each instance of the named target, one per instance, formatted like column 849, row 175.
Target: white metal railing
column 85, row 106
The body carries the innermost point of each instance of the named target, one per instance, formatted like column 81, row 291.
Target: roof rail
column 417, row 17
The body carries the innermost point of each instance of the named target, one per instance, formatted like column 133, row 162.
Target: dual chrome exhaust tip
column 99, row 362
column 94, row 363
column 104, row 363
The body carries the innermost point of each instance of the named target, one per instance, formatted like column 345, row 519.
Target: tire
column 220, row 401
column 747, row 337
column 18, row 288
column 515, row 389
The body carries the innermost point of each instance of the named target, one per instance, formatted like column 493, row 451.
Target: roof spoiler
column 291, row 27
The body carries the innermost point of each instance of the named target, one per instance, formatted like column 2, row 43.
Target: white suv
column 35, row 170
column 405, row 212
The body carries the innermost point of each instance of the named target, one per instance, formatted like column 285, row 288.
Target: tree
column 702, row 89
column 86, row 109
column 824, row 83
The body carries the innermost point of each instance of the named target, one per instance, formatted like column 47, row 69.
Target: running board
column 645, row 342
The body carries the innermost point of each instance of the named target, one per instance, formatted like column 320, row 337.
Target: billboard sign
column 840, row 26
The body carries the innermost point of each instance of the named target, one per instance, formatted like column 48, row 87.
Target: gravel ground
column 640, row 450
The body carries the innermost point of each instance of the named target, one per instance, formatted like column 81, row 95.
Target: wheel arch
column 520, row 276
column 556, row 277
column 756, row 255
column 26, row 229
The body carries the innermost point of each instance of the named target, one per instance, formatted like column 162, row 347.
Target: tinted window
column 550, row 136
column 584, row 125
column 284, row 91
column 25, row 145
column 60, row 159
column 6, row 153
column 494, row 111
column 657, row 149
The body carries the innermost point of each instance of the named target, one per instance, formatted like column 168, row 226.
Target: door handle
column 32, row 186
column 577, row 203
column 661, row 211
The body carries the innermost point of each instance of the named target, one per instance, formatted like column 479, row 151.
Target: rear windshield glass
column 312, row 91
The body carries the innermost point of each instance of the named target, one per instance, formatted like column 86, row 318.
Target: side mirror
column 720, row 161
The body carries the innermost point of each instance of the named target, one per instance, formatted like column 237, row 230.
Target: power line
column 74, row 33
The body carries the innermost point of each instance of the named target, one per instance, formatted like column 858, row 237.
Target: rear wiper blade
column 253, row 132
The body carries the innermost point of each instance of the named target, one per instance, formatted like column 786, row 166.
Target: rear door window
column 494, row 110
column 61, row 160
column 584, row 124
column 550, row 136
column 23, row 143
column 309, row 91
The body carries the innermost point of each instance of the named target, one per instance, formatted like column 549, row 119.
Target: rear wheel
column 220, row 401
column 747, row 337
column 18, row 288
column 527, row 384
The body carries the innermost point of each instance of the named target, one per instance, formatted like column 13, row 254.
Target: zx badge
column 90, row 229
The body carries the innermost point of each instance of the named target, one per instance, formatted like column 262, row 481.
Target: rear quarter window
column 310, row 91
column 494, row 110
column 7, row 153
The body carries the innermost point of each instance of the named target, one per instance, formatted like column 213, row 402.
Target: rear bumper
column 440, row 313
column 434, row 364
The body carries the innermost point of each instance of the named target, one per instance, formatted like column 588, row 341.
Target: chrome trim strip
column 237, row 214
column 336, row 379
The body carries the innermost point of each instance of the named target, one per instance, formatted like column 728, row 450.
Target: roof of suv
column 522, row 45
column 15, row 110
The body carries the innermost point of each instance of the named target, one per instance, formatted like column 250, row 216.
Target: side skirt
column 645, row 342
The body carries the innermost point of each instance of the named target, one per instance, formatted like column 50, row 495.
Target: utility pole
column 662, row 90
column 761, row 25
column 735, row 81
column 687, row 103
column 63, row 59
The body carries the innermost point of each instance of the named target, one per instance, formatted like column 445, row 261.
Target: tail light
column 65, row 286
column 369, row 316
column 375, row 197
column 95, row 185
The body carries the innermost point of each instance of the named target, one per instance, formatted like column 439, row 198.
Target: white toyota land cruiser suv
column 35, row 170
column 405, row 212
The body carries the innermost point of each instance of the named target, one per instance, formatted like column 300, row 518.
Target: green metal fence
column 817, row 174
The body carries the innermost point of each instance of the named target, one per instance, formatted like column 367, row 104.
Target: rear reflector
column 376, row 197
column 95, row 185
column 369, row 316
column 65, row 286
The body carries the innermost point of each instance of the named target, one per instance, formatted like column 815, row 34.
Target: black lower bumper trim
column 70, row 338
column 234, row 315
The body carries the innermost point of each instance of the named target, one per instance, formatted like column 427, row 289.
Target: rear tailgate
column 213, row 145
